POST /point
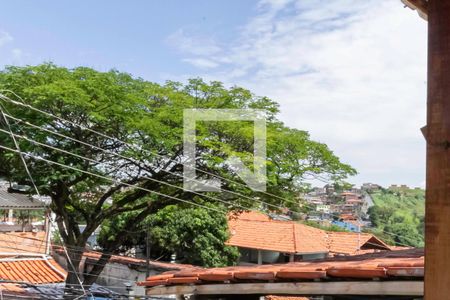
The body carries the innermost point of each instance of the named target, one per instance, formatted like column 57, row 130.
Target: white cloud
column 351, row 72
column 201, row 63
column 194, row 45
column 5, row 38
column 17, row 56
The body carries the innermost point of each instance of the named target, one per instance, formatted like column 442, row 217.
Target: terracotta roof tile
column 272, row 297
column 248, row 215
column 22, row 242
column 353, row 243
column 216, row 275
column 254, row 230
column 183, row 280
column 11, row 287
column 309, row 239
column 263, row 235
column 386, row 265
column 31, row 270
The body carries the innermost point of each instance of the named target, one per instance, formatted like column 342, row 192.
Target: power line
column 23, row 104
column 132, row 146
column 135, row 147
column 104, row 177
column 127, row 158
column 35, row 187
column 39, row 158
column 144, row 177
column 98, row 162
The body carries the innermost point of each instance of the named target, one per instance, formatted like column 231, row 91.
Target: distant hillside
column 398, row 215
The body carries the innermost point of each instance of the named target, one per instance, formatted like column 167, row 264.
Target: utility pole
column 437, row 135
column 48, row 230
column 147, row 251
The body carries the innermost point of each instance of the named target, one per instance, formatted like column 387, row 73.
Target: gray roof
column 18, row 201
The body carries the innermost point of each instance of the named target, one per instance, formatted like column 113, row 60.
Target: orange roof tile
column 309, row 239
column 259, row 232
column 263, row 235
column 32, row 270
column 11, row 287
column 387, row 265
column 249, row 215
column 353, row 243
column 272, row 297
column 22, row 242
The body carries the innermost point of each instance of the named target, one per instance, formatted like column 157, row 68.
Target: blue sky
column 110, row 34
column 351, row 72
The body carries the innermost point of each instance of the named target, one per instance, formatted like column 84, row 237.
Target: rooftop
column 120, row 259
column 94, row 256
column 22, row 242
column 254, row 230
column 18, row 201
column 36, row 270
column 368, row 274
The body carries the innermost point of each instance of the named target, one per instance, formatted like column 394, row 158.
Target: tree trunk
column 73, row 288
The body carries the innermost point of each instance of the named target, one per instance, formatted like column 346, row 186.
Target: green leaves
column 196, row 235
column 398, row 215
column 150, row 117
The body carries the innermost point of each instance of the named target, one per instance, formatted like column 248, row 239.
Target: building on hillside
column 398, row 188
column 370, row 187
column 323, row 208
column 350, row 226
column 314, row 200
column 262, row 240
column 318, row 191
column 349, row 196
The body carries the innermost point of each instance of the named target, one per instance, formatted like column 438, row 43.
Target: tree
column 405, row 234
column 97, row 185
column 195, row 234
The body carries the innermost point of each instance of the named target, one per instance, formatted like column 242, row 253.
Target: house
column 262, row 240
column 24, row 226
column 349, row 196
column 120, row 270
column 21, row 272
column 370, row 187
column 347, row 225
column 383, row 275
column 323, row 208
column 17, row 209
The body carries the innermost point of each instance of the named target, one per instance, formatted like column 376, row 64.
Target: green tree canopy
column 194, row 234
column 398, row 216
column 148, row 116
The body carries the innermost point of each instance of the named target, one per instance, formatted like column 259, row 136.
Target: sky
column 350, row 72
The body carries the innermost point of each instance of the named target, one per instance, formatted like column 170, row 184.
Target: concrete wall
column 114, row 276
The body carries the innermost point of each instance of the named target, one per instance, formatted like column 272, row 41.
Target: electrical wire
column 34, row 186
column 128, row 159
column 132, row 146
